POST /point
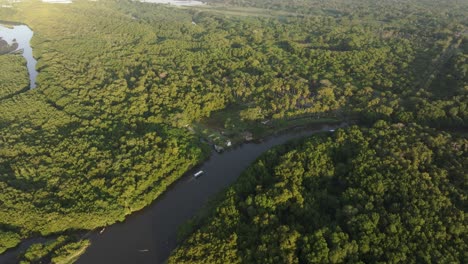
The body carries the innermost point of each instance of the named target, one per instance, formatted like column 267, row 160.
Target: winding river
column 22, row 34
column 149, row 236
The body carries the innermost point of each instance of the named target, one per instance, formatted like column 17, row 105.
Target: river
column 149, row 236
column 23, row 35
column 155, row 228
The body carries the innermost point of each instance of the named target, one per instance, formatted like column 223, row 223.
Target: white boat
column 198, row 174
column 332, row 130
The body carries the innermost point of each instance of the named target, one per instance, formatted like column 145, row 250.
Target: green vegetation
column 38, row 251
column 8, row 239
column 389, row 194
column 125, row 90
column 13, row 76
column 7, row 48
column 70, row 252
column 61, row 250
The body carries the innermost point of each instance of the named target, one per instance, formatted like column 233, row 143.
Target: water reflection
column 22, row 34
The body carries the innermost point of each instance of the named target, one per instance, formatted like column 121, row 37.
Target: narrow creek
column 22, row 35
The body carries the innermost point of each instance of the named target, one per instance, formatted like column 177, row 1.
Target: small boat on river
column 198, row 174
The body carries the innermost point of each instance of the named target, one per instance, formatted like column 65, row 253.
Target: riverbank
column 14, row 75
column 9, row 24
column 225, row 128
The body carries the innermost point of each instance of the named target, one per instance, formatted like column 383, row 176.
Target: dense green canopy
column 13, row 75
column 389, row 194
column 121, row 83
